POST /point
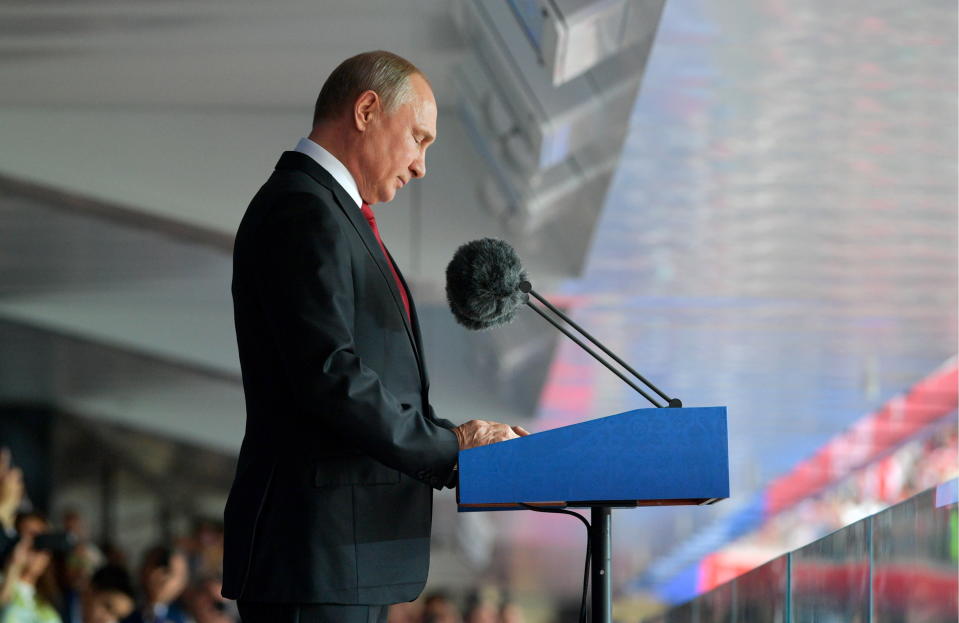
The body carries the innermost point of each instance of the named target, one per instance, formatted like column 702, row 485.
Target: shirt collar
column 333, row 166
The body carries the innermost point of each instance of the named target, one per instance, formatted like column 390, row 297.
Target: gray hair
column 385, row 73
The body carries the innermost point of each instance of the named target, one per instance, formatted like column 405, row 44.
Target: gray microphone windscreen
column 482, row 283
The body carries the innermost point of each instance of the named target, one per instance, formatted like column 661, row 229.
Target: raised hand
column 11, row 489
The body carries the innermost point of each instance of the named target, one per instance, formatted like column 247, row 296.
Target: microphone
column 486, row 284
column 483, row 284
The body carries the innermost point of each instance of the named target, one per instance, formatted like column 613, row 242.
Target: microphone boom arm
column 527, row 288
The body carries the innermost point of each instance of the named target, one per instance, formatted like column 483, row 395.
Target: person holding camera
column 29, row 589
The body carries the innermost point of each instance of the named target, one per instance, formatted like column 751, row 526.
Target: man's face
column 394, row 146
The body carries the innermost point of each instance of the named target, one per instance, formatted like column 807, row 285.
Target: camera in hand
column 53, row 542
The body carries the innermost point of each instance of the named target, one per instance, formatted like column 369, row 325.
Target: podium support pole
column 600, row 535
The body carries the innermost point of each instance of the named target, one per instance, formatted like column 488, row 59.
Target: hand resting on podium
column 481, row 432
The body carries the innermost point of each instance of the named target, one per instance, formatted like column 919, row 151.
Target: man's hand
column 480, row 433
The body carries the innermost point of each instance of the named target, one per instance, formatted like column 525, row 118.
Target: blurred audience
column 163, row 578
column 207, row 605
column 109, row 596
column 114, row 555
column 407, row 612
column 204, row 548
column 482, row 612
column 511, row 613
column 64, row 577
column 438, row 607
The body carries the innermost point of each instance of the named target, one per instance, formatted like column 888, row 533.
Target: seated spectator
column 109, row 596
column 163, row 576
column 29, row 589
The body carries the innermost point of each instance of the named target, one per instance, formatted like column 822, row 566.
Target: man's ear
column 365, row 109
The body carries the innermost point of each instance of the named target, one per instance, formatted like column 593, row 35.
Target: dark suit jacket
column 332, row 499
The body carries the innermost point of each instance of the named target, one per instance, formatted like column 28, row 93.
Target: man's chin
column 387, row 195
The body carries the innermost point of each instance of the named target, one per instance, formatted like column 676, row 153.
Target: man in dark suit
column 329, row 515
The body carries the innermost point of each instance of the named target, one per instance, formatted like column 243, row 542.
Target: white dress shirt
column 333, row 166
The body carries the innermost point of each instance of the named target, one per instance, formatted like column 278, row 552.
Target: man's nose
column 418, row 168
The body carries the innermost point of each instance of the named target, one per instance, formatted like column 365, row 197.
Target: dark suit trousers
column 310, row 613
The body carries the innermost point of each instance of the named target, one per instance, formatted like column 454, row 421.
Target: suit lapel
column 302, row 162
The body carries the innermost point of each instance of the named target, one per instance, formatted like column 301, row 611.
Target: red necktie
column 371, row 219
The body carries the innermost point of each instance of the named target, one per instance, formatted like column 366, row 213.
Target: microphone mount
column 527, row 288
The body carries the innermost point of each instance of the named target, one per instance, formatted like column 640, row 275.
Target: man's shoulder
column 291, row 205
column 290, row 197
column 294, row 189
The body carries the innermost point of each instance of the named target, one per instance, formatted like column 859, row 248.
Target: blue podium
column 646, row 457
column 638, row 458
